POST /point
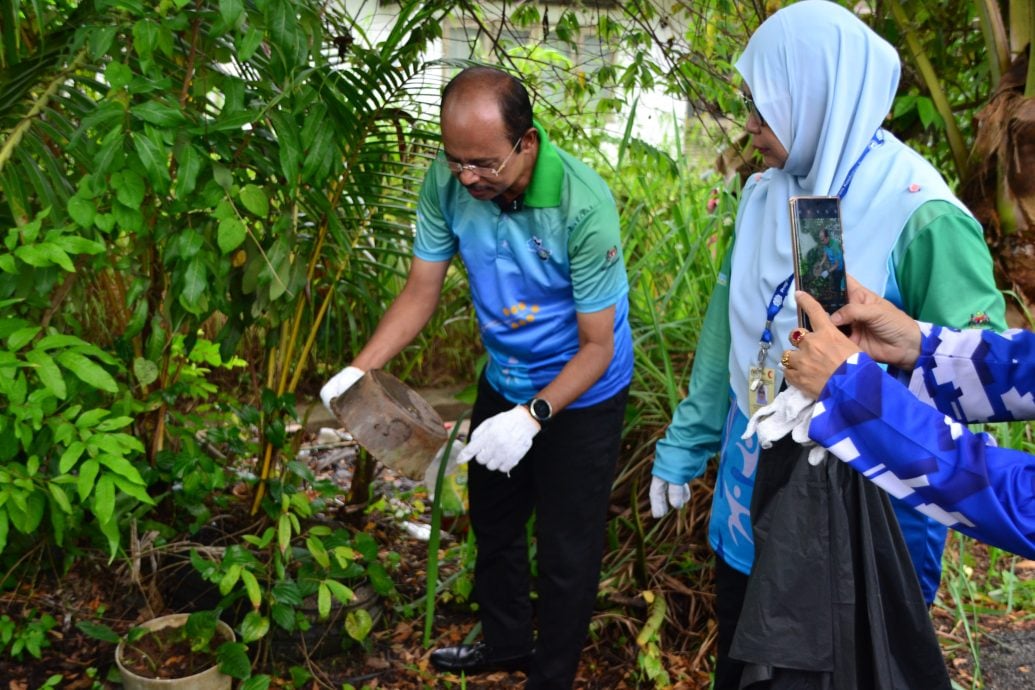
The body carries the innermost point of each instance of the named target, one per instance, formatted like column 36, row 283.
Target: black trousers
column 730, row 588
column 566, row 480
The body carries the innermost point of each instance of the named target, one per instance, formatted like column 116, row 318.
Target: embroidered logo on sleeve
column 611, row 257
column 979, row 318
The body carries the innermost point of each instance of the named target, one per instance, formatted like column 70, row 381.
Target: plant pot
column 209, row 679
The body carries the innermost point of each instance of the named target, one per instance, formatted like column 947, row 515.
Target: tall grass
column 677, row 219
column 982, row 588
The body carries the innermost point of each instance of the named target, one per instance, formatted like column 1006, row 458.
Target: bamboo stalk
column 996, row 40
column 1025, row 7
column 934, row 87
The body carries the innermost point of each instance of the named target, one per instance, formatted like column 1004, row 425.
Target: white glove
column 501, row 441
column 790, row 413
column 338, row 384
column 663, row 495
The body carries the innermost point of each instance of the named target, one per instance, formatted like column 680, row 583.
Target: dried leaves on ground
column 395, row 657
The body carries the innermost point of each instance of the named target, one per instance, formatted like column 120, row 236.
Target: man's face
column 474, row 137
column 484, row 176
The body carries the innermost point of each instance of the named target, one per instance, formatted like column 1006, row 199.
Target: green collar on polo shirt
column 544, row 190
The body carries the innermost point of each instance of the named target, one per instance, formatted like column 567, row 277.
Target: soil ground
column 1008, row 657
column 394, row 657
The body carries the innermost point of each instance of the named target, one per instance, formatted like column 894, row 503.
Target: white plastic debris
column 431, row 474
column 328, row 436
column 417, row 530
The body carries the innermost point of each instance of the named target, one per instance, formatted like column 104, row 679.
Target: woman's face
column 762, row 138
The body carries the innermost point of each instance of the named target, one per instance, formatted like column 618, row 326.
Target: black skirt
column 833, row 601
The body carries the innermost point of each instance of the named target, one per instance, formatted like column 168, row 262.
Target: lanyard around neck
column 876, row 140
column 780, row 294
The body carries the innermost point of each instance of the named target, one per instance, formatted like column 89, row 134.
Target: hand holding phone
column 817, row 240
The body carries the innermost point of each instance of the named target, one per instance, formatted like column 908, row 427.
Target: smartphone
column 817, row 239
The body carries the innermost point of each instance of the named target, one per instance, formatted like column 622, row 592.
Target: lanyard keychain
column 762, row 379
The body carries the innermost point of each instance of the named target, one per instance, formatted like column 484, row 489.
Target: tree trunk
column 1000, row 185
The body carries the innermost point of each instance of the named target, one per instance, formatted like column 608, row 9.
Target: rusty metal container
column 392, row 422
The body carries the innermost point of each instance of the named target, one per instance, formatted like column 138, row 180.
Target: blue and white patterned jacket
column 922, row 453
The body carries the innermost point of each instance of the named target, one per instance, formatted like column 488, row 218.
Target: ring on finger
column 785, row 359
column 796, row 335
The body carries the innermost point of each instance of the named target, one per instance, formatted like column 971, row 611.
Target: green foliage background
column 206, row 205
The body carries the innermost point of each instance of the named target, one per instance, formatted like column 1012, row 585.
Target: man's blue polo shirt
column 532, row 269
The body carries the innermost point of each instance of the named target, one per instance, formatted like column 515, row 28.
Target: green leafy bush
column 27, row 636
column 65, row 454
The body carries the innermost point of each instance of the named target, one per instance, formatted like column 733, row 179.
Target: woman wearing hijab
column 819, row 83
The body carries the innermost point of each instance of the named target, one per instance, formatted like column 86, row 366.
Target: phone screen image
column 819, row 258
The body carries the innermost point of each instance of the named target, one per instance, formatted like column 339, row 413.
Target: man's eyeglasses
column 458, row 168
column 752, row 109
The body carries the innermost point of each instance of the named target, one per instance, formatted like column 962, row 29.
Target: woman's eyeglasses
column 458, row 168
column 752, row 109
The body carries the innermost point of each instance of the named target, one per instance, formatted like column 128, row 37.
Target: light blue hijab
column 824, row 83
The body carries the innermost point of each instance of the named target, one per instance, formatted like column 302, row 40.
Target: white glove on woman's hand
column 791, row 413
column 663, row 495
column 501, row 441
column 791, row 408
column 338, row 384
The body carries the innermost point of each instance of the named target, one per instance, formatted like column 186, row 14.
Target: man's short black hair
column 515, row 105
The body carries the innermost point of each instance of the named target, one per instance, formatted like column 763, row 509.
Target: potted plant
column 179, row 650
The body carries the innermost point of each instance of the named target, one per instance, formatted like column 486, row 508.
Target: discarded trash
column 417, row 530
column 454, row 487
column 327, row 436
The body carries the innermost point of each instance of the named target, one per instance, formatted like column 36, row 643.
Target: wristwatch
column 540, row 409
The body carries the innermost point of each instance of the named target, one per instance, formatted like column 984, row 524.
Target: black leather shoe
column 477, row 658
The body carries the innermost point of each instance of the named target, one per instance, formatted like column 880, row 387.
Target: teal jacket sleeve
column 695, row 433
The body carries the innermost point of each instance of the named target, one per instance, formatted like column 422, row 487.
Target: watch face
column 540, row 409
